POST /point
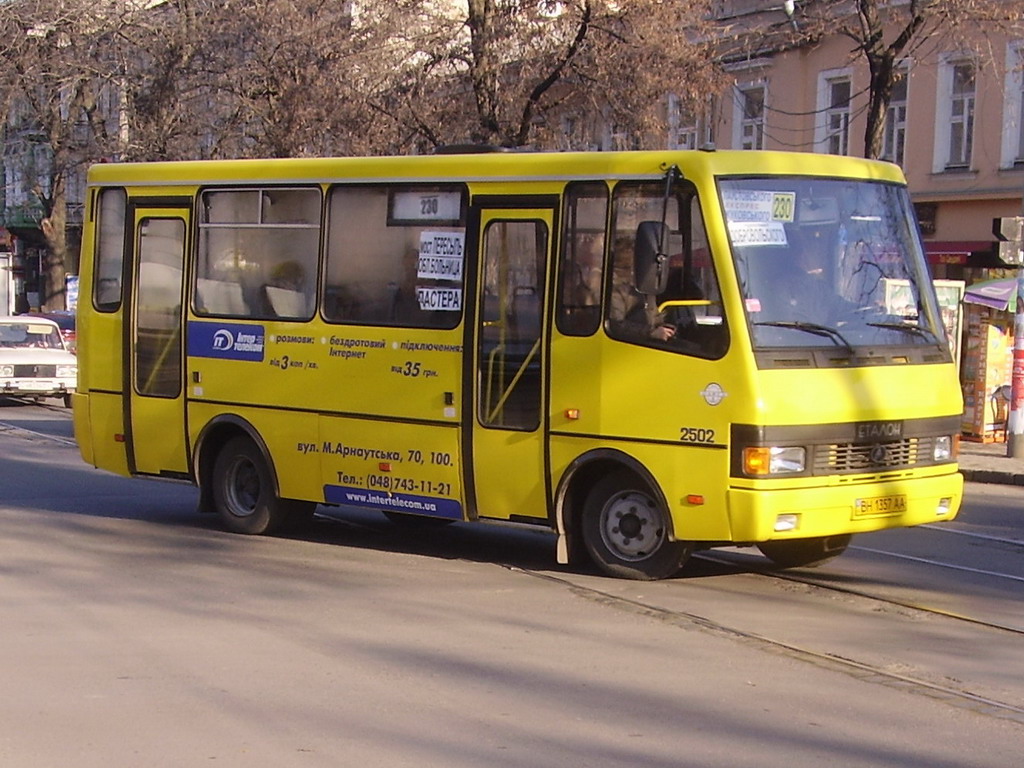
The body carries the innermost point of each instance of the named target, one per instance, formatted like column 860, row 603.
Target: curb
column 992, row 476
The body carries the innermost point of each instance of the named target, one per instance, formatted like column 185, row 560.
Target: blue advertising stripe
column 226, row 341
column 431, row 506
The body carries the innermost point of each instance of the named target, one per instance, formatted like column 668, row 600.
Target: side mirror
column 650, row 264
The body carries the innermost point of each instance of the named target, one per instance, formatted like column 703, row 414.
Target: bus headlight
column 945, row 448
column 774, row 460
column 67, row 371
column 6, row 370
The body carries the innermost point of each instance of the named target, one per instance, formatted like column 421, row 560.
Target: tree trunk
column 55, row 262
column 880, row 94
column 484, row 71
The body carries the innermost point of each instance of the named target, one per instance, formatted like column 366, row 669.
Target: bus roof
column 496, row 166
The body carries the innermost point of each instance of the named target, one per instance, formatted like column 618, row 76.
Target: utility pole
column 1010, row 233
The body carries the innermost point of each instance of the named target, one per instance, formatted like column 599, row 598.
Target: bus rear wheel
column 626, row 530
column 805, row 553
column 243, row 492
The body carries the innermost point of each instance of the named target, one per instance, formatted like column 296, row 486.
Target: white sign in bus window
column 759, row 205
column 435, row 299
column 426, row 205
column 441, row 255
column 757, row 233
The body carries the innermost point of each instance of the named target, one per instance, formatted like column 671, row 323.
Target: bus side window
column 109, row 250
column 702, row 324
column 582, row 261
column 395, row 255
column 687, row 317
column 258, row 253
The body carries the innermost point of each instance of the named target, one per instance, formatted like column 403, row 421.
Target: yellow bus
column 648, row 353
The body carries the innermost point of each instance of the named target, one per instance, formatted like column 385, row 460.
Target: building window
column 839, row 117
column 620, row 138
column 750, row 122
column 1012, row 154
column 961, row 123
column 683, row 132
column 1020, row 128
column 834, row 94
column 894, row 137
column 688, row 129
column 576, row 134
column 15, row 192
column 954, row 124
column 926, row 215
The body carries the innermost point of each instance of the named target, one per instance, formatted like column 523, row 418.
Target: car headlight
column 67, row 371
column 765, row 460
column 6, row 370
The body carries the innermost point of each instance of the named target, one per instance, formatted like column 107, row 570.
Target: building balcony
column 29, row 216
column 26, row 216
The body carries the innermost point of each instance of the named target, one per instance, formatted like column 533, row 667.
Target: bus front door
column 156, row 408
column 510, row 365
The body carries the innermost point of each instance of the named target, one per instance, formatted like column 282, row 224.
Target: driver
column 631, row 314
column 796, row 287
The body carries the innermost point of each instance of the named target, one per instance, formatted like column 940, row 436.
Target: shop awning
column 1000, row 293
column 955, row 251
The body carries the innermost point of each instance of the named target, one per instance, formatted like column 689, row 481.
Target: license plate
column 880, row 505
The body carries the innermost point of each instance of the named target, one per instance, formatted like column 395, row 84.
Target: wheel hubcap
column 632, row 526
column 243, row 488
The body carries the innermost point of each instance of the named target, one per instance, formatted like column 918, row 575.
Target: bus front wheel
column 805, row 553
column 626, row 530
column 243, row 492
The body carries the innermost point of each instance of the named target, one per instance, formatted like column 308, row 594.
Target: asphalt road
column 135, row 632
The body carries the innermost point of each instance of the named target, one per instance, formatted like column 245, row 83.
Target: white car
column 33, row 359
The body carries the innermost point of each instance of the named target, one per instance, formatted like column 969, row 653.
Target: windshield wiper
column 913, row 329
column 815, row 328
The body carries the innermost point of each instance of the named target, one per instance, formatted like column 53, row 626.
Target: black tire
column 243, row 492
column 67, row 401
column 625, row 530
column 805, row 553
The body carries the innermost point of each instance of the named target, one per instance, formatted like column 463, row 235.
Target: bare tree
column 505, row 71
column 884, row 33
column 48, row 87
column 154, row 78
column 296, row 77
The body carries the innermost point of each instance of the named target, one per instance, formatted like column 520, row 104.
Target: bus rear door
column 507, row 466
column 156, row 407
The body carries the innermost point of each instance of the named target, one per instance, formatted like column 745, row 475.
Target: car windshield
column 30, row 336
column 826, row 262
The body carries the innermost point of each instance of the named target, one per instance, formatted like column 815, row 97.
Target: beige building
column 955, row 123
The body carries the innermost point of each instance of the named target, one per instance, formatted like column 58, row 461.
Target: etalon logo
column 713, row 393
column 879, row 454
column 223, row 340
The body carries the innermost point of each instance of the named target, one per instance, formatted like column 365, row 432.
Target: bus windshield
column 826, row 262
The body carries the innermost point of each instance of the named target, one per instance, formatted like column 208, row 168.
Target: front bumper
column 50, row 387
column 832, row 510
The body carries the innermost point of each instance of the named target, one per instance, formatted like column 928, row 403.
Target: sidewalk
column 988, row 463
